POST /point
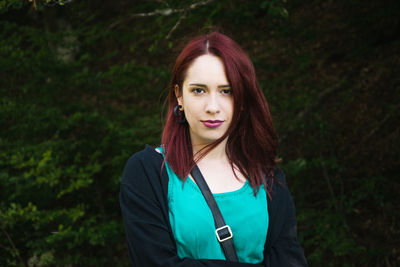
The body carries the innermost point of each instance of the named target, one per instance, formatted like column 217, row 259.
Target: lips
column 212, row 123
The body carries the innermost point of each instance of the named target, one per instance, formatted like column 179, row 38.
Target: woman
column 219, row 120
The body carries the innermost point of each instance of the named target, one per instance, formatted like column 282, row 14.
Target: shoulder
column 141, row 165
column 280, row 197
column 280, row 208
column 279, row 186
column 280, row 177
column 148, row 154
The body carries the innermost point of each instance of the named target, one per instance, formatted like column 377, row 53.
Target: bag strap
column 223, row 231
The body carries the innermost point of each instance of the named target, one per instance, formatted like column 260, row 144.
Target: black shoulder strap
column 223, row 231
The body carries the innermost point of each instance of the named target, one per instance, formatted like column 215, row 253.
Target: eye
column 226, row 91
column 197, row 90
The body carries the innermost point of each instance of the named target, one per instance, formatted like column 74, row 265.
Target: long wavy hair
column 252, row 142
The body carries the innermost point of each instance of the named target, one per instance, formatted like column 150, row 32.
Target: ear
column 178, row 95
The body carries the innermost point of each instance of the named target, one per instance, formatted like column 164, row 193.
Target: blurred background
column 82, row 86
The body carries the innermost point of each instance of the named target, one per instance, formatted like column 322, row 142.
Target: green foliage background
column 82, row 85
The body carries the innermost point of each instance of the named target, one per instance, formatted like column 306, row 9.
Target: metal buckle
column 222, row 228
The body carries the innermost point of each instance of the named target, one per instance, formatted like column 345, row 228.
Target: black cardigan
column 143, row 200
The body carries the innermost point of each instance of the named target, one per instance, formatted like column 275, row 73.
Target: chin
column 207, row 137
column 211, row 139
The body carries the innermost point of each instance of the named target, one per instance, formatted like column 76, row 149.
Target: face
column 207, row 100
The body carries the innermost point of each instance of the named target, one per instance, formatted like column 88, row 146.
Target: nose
column 212, row 105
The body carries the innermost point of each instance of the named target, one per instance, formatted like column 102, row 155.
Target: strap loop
column 223, row 233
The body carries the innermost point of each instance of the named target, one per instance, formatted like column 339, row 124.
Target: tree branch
column 376, row 129
column 14, row 248
column 175, row 26
column 381, row 123
column 34, row 4
column 161, row 12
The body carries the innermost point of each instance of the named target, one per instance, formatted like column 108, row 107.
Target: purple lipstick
column 212, row 123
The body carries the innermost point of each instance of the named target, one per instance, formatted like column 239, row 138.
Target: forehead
column 207, row 69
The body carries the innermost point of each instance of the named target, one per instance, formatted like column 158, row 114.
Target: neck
column 217, row 153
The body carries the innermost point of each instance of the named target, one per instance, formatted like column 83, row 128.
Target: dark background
column 82, row 85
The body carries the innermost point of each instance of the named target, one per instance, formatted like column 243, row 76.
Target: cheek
column 192, row 104
column 191, row 108
column 229, row 108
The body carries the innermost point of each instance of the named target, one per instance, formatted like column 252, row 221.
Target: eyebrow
column 203, row 85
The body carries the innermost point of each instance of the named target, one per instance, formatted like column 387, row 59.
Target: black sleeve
column 149, row 238
column 285, row 249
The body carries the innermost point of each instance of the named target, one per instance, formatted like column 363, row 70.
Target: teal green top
column 193, row 224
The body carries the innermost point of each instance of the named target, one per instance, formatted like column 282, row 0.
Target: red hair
column 252, row 142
